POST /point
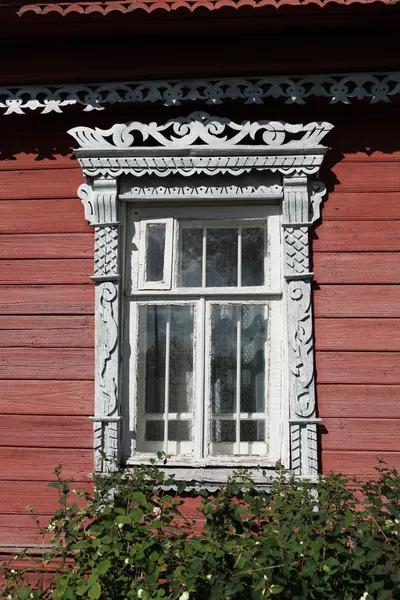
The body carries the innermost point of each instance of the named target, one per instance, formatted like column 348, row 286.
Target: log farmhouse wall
column 47, row 301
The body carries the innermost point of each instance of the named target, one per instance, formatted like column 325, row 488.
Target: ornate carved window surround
column 195, row 148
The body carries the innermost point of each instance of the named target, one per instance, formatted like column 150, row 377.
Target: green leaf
column 95, row 591
column 123, row 519
column 348, row 519
column 24, row 593
column 373, row 555
column 136, row 514
column 276, row 589
column 140, row 498
column 103, row 566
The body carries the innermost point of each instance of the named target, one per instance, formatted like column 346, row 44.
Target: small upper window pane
column 226, row 257
column 222, row 257
column 155, row 251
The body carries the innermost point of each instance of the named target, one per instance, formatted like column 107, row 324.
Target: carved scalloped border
column 337, row 88
column 124, row 7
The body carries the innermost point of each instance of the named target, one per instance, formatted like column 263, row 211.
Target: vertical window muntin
column 202, row 450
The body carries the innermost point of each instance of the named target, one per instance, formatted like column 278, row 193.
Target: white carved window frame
column 201, row 145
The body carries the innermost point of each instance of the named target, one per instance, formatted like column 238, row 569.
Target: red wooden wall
column 47, row 299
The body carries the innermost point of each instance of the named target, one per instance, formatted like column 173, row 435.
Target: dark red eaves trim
column 127, row 6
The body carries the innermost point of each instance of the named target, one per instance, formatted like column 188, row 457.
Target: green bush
column 335, row 538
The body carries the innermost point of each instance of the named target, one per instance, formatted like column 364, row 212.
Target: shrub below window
column 334, row 538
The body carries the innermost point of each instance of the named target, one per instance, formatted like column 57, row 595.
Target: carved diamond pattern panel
column 296, row 250
column 106, row 251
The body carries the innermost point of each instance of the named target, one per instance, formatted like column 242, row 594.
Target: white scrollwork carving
column 106, row 345
column 341, row 87
column 199, row 128
column 301, row 361
column 318, row 191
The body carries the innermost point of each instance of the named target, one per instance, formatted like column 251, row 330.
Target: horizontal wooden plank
column 358, row 367
column 360, row 177
column 53, row 363
column 367, row 401
column 360, row 206
column 46, row 331
column 47, row 271
column 30, row 397
column 360, row 464
column 363, row 267
column 356, row 236
column 21, row 530
column 357, row 301
column 40, row 183
column 15, row 496
column 46, row 431
column 43, row 216
column 357, row 334
column 47, row 299
column 376, row 435
column 38, row 464
column 54, row 245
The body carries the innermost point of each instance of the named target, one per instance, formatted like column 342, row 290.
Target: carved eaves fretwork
column 284, row 157
column 299, row 89
column 127, row 6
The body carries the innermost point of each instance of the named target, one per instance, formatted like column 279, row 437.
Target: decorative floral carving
column 106, row 345
column 341, row 87
column 199, row 128
column 301, row 348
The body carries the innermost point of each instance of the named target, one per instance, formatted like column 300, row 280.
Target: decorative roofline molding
column 293, row 89
column 127, row 6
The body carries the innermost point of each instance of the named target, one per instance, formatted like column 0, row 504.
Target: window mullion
column 166, row 394
column 238, row 376
column 200, row 389
column 239, row 275
column 204, row 259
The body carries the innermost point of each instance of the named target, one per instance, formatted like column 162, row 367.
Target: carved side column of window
column 100, row 202
column 300, row 210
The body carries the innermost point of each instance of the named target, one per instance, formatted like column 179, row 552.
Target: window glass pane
column 252, row 431
column 253, row 256
column 154, row 431
column 166, row 370
column 223, row 431
column 152, row 345
column 252, row 369
column 223, row 359
column 191, row 257
column 221, row 264
column 179, row 431
column 155, row 251
column 237, row 378
column 181, row 359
